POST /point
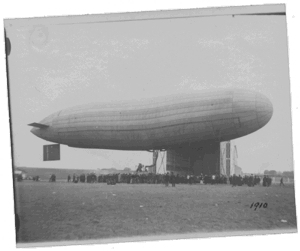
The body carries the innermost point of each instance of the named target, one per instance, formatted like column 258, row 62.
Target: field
column 66, row 211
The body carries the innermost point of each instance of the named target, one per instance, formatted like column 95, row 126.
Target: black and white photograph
column 151, row 125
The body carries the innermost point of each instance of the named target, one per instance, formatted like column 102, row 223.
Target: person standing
column 167, row 179
column 281, row 182
column 251, row 181
column 213, row 179
column 234, row 180
column 173, row 181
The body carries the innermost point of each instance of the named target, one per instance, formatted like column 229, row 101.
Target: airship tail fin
column 39, row 125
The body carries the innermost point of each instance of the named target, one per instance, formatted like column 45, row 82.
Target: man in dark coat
column 234, row 180
column 281, row 182
column 173, row 179
column 167, row 179
column 265, row 181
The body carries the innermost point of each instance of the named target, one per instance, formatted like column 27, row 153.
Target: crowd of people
column 238, row 180
column 267, row 181
column 52, row 178
column 169, row 178
column 148, row 178
column 133, row 178
column 89, row 178
column 214, row 179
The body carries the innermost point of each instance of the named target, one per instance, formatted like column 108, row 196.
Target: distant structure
column 178, row 162
column 20, row 173
column 196, row 160
column 188, row 128
column 228, row 159
column 238, row 170
column 106, row 171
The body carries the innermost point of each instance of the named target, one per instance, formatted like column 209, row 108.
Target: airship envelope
column 161, row 123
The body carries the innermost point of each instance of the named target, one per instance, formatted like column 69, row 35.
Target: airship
column 163, row 123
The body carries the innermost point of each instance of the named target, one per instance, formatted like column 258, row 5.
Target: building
column 237, row 170
column 20, row 174
column 228, row 159
column 214, row 158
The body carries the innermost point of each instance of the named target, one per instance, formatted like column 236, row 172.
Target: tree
column 271, row 172
column 288, row 174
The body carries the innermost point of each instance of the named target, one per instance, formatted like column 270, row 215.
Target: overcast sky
column 58, row 66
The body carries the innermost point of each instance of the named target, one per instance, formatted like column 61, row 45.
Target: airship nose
column 264, row 109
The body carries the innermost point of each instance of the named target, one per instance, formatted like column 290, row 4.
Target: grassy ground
column 66, row 211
